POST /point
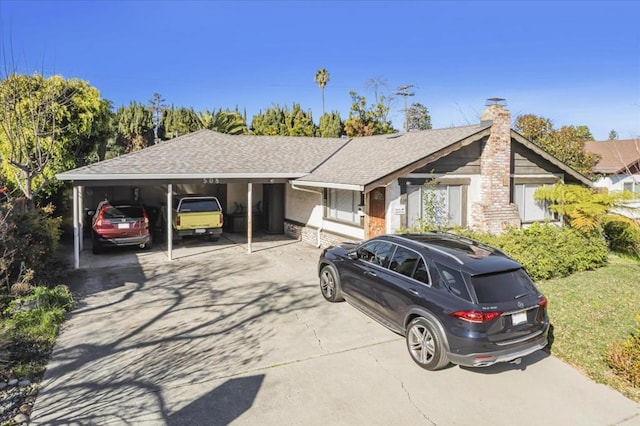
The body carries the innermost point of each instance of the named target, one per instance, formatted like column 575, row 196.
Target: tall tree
column 376, row 84
column 613, row 135
column 223, row 121
column 157, row 107
column 322, row 78
column 92, row 148
column 533, row 127
column 283, row 122
column 584, row 133
column 365, row 121
column 134, row 129
column 566, row 143
column 179, row 121
column 418, row 117
column 43, row 122
column 330, row 125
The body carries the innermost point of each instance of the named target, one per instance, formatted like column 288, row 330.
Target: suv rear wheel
column 426, row 344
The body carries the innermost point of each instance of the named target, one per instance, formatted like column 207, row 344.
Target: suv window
column 454, row 282
column 503, row 286
column 404, row 261
column 376, row 252
column 421, row 273
column 117, row 212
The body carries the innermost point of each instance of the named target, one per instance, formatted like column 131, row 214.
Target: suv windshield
column 503, row 286
column 199, row 205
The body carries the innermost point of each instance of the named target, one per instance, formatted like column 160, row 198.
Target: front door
column 376, row 224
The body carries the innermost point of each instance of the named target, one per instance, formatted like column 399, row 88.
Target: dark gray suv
column 454, row 299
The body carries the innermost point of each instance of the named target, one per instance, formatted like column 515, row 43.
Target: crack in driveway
column 406, row 391
column 306, row 323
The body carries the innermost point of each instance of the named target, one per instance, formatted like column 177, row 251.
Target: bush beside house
column 31, row 306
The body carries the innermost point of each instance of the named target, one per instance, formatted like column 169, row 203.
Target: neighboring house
column 618, row 168
column 325, row 190
column 619, row 165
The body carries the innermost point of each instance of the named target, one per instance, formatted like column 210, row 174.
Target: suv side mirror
column 353, row 255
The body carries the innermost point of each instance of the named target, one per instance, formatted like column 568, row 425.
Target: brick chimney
column 494, row 212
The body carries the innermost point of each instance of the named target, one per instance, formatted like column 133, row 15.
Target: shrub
column 30, row 327
column 624, row 357
column 29, row 241
column 548, row 251
column 623, row 235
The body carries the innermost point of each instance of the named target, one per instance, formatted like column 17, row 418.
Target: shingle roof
column 366, row 159
column 616, row 156
column 206, row 152
column 354, row 162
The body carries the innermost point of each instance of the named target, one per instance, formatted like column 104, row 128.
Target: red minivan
column 120, row 223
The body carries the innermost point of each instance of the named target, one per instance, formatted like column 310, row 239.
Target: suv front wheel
column 426, row 344
column 330, row 284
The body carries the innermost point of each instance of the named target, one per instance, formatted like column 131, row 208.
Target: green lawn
column 589, row 311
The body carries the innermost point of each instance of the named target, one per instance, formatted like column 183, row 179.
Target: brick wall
column 495, row 218
column 309, row 235
column 494, row 212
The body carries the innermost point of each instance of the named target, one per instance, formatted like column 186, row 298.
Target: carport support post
column 81, row 215
column 76, row 236
column 170, row 221
column 249, row 216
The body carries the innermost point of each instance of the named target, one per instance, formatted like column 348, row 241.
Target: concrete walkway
column 218, row 336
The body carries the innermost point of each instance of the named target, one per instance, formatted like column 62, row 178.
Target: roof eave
column 67, row 176
column 331, row 185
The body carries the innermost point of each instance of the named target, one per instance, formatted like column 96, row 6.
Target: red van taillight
column 178, row 221
column 476, row 316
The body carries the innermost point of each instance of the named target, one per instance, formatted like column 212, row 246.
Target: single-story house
column 328, row 190
column 618, row 169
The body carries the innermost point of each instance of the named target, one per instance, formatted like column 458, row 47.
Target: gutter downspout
column 321, row 193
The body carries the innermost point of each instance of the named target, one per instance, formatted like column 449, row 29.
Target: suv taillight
column 146, row 219
column 99, row 218
column 543, row 302
column 476, row 316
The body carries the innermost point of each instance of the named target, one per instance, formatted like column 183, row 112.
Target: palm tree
column 322, row 78
column 223, row 121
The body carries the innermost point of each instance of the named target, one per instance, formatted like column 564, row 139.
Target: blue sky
column 573, row 62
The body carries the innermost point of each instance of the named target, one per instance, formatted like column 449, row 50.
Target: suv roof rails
column 432, row 247
column 476, row 243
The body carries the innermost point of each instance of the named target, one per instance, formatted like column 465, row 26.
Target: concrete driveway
column 218, row 336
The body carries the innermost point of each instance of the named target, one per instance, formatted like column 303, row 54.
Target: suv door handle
column 370, row 273
column 413, row 291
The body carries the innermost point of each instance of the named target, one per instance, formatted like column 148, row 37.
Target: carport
column 203, row 157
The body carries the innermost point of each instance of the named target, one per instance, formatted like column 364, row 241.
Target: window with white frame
column 448, row 200
column 343, row 205
column 530, row 209
column 632, row 186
